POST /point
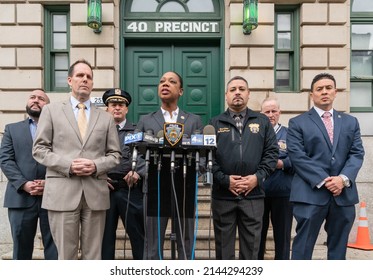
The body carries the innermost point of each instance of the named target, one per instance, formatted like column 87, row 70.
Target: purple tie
column 326, row 118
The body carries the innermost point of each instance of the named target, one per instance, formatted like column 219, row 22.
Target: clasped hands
column 239, row 185
column 35, row 187
column 334, row 184
column 82, row 167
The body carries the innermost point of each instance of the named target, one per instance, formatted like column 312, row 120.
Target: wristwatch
column 346, row 181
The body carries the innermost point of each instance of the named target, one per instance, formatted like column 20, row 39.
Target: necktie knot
column 326, row 115
column 81, row 106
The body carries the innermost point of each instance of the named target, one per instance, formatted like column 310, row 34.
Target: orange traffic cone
column 362, row 239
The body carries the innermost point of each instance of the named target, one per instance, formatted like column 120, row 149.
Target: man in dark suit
column 25, row 186
column 326, row 150
column 79, row 144
column 170, row 89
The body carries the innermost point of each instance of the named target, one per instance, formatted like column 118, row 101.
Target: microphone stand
column 173, row 208
column 145, row 199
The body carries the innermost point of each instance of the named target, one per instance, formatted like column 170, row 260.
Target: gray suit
column 24, row 210
column 57, row 143
column 155, row 122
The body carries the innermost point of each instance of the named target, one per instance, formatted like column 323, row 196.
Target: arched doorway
column 185, row 36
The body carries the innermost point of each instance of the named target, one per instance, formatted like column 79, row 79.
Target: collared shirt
column 172, row 118
column 74, row 104
column 242, row 113
column 277, row 127
column 122, row 124
column 33, row 126
column 321, row 112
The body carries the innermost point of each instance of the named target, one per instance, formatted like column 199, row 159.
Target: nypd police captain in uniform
column 126, row 197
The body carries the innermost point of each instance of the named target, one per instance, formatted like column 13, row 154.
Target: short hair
column 41, row 89
column 237, row 78
column 70, row 73
column 270, row 98
column 321, row 76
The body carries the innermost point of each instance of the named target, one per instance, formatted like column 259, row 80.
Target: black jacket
column 125, row 164
column 253, row 152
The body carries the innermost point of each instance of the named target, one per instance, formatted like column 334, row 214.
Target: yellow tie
column 82, row 120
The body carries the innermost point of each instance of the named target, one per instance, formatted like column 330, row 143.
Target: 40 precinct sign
column 172, row 27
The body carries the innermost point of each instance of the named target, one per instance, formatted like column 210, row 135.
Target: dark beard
column 32, row 113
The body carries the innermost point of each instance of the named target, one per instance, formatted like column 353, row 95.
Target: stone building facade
column 323, row 44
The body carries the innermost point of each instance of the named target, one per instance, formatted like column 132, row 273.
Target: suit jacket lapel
column 317, row 120
column 28, row 139
column 69, row 113
column 337, row 120
column 93, row 117
column 182, row 117
column 159, row 118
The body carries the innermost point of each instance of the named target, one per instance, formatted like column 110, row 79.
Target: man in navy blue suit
column 326, row 151
column 26, row 179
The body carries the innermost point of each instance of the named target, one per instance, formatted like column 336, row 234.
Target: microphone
column 160, row 135
column 185, row 141
column 149, row 137
column 134, row 158
column 209, row 139
column 136, row 136
column 209, row 136
column 172, row 160
column 130, row 138
column 196, row 138
column 184, row 165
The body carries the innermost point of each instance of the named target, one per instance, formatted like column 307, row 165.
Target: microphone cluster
column 199, row 144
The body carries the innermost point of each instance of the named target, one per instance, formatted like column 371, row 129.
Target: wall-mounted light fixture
column 94, row 15
column 250, row 16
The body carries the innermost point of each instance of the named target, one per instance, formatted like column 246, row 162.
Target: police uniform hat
column 116, row 95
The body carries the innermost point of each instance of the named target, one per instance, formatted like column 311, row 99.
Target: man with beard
column 246, row 155
column 25, row 186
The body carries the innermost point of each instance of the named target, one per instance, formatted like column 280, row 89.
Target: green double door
column 200, row 67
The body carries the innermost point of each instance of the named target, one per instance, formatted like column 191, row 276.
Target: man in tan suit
column 77, row 160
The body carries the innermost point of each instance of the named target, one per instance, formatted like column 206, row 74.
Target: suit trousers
column 81, row 225
column 338, row 224
column 244, row 214
column 23, row 223
column 279, row 211
column 132, row 216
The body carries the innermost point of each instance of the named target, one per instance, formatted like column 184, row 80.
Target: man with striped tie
column 327, row 156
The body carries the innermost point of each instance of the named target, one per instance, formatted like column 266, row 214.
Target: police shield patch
column 173, row 133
